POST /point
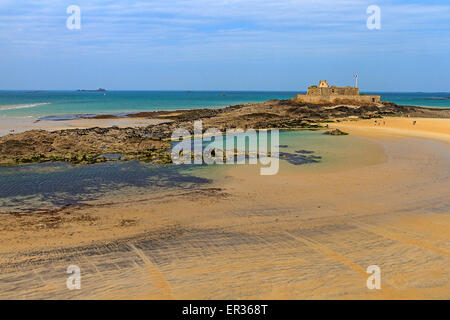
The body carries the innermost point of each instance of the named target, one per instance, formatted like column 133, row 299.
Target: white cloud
column 202, row 26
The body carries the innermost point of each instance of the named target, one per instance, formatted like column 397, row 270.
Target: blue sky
column 224, row 45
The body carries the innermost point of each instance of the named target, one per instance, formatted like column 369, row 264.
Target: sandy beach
column 436, row 129
column 301, row 234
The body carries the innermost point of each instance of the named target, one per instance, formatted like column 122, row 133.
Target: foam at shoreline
column 22, row 106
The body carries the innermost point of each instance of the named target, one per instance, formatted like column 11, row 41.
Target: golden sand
column 298, row 235
column 438, row 129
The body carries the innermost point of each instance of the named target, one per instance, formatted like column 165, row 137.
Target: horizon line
column 203, row 90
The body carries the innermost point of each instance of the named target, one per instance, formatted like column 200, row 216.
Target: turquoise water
column 53, row 185
column 56, row 103
column 21, row 103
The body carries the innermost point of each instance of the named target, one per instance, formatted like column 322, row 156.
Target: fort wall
column 336, row 98
column 324, row 94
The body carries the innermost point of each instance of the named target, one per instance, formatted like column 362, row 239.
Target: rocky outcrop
column 151, row 143
column 80, row 146
column 336, row 132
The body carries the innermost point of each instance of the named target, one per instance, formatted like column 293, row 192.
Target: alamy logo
column 234, row 147
column 374, row 20
column 374, row 281
column 73, row 22
column 74, row 281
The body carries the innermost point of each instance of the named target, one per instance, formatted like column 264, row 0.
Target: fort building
column 324, row 93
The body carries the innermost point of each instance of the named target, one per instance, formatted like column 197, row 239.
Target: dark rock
column 336, row 132
column 298, row 159
column 304, row 151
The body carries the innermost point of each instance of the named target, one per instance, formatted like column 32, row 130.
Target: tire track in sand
column 155, row 274
column 388, row 291
column 396, row 236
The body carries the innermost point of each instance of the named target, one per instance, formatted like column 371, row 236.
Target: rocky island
column 97, row 90
column 151, row 143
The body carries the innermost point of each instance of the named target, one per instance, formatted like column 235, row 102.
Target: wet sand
column 16, row 125
column 302, row 234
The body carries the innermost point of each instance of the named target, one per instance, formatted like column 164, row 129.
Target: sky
column 224, row 45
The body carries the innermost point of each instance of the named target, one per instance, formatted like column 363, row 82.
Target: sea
column 52, row 185
column 43, row 186
column 60, row 105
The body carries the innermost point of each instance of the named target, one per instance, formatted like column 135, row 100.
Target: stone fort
column 324, row 93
